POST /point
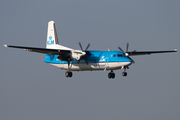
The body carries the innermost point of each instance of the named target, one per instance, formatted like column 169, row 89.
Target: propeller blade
column 86, row 60
column 80, row 46
column 127, row 47
column 131, row 59
column 80, row 59
column 87, row 46
column 121, row 49
column 88, row 53
column 84, row 56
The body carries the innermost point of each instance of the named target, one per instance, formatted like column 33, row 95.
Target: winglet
column 5, row 45
column 175, row 50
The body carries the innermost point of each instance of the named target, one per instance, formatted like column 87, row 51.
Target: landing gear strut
column 68, row 74
column 124, row 74
column 111, row 75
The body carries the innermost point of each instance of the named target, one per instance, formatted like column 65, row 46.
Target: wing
column 42, row 50
column 148, row 52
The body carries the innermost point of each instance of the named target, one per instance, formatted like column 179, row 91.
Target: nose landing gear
column 124, row 74
column 68, row 74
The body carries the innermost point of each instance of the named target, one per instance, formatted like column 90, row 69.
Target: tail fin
column 52, row 39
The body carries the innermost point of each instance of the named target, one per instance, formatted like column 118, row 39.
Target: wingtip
column 5, row 45
column 175, row 50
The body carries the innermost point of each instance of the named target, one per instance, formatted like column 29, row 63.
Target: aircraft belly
column 78, row 67
column 116, row 65
column 92, row 66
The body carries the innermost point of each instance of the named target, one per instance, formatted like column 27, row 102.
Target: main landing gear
column 111, row 75
column 68, row 74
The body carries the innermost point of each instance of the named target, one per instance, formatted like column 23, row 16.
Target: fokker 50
column 84, row 60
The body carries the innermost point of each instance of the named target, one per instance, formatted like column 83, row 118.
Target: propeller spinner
column 84, row 56
column 126, row 54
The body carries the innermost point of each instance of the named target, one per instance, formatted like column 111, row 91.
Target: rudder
column 52, row 38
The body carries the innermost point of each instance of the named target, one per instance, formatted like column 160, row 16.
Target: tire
column 109, row 75
column 112, row 75
column 67, row 74
column 70, row 74
column 124, row 74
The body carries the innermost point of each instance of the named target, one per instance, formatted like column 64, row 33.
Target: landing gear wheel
column 124, row 74
column 111, row 75
column 68, row 74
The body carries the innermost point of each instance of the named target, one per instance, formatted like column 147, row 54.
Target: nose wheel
column 111, row 75
column 68, row 74
column 124, row 74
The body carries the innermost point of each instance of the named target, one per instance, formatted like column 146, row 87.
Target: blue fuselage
column 97, row 60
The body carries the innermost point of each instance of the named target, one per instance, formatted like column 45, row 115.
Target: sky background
column 33, row 90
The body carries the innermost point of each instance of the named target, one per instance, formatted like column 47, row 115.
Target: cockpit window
column 118, row 55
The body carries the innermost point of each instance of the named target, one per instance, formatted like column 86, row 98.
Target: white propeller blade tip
column 5, row 45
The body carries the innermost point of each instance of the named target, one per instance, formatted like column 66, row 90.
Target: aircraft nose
column 126, row 61
column 129, row 61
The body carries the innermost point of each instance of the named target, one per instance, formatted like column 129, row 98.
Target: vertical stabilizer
column 52, row 39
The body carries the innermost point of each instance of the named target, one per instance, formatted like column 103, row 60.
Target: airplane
column 84, row 60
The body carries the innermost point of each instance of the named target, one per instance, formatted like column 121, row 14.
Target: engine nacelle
column 77, row 54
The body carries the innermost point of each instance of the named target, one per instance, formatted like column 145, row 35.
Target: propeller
column 126, row 53
column 84, row 57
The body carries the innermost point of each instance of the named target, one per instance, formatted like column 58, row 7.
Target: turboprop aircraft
column 84, row 60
